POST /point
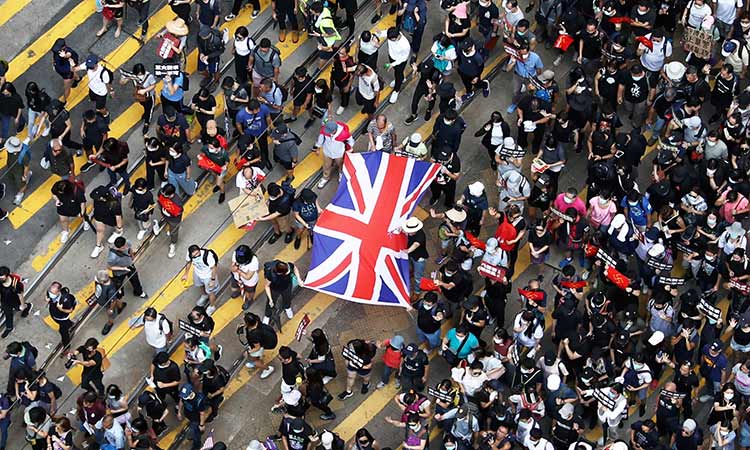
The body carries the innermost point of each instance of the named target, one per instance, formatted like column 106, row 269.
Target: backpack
column 109, row 74
column 284, row 92
column 162, row 319
column 206, row 349
column 222, row 374
column 409, row 22
column 412, row 408
column 208, row 251
column 268, row 271
column 274, row 53
column 30, row 348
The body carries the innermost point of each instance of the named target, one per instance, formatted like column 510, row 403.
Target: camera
column 69, row 362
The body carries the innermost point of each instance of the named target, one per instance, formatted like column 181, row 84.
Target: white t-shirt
column 252, row 266
column 697, row 13
column 512, row 17
column 201, row 269
column 653, row 60
column 154, row 337
column 243, row 183
column 98, row 79
column 244, row 47
column 726, row 10
column 367, row 85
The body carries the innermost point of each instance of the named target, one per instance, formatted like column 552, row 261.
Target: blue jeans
column 33, row 127
column 123, row 172
column 4, row 432
column 418, row 267
column 432, row 339
column 181, row 183
column 387, row 371
column 5, row 123
column 195, row 432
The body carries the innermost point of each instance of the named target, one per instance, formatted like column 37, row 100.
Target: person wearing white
column 204, row 263
column 156, row 328
column 399, row 50
column 609, row 418
column 331, row 144
column 695, row 12
column 653, row 59
column 245, row 267
column 248, row 179
column 535, row 441
column 100, row 82
column 726, row 13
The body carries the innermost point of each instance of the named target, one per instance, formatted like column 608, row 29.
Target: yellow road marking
column 10, row 8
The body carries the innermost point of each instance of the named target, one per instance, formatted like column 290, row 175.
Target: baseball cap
column 729, row 47
column 689, row 425
column 443, row 155
column 656, row 338
column 92, row 61
column 410, row 349
column 185, row 391
column 547, row 75
column 717, row 346
column 298, row 425
column 471, row 302
column 279, row 131
column 204, row 31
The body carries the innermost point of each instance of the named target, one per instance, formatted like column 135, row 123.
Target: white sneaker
column 266, row 373
column 289, row 313
column 250, row 365
column 45, row 132
column 18, row 198
column 340, row 110
column 156, row 228
column 202, row 300
column 327, row 379
column 172, row 251
column 86, row 226
column 210, row 310
column 266, row 320
column 98, row 249
column 114, row 237
column 392, row 83
column 141, row 234
column 322, row 183
column 394, row 97
column 64, row 237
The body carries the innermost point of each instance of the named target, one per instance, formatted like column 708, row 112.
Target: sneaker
column 202, row 300
column 512, row 108
column 375, row 18
column 278, row 409
column 275, row 237
column 64, row 236
column 289, row 237
column 380, row 385
column 143, row 295
column 585, row 275
column 330, row 416
column 2, row 190
column 250, row 365
column 410, row 120
column 3, row 214
column 327, row 379
column 79, row 152
column 172, row 251
column 365, row 388
column 466, row 97
column 557, row 61
column 427, row 115
column 144, row 130
column 229, row 17
column 114, row 237
column 215, row 189
column 266, row 372
column 222, row 197
column 255, row 13
column 18, row 198
column 340, row 110
column 341, row 174
column 98, row 249
column 642, row 410
column 346, row 394
column 394, row 97
column 107, row 328
column 322, row 183
column 87, row 166
column 156, row 228
column 86, row 226
column 25, row 311
column 141, row 234
column 297, row 242
column 6, row 333
column 45, row 132
column 245, row 305
column 486, row 88
column 210, row 310
column 219, row 351
column 392, row 84
column 289, row 313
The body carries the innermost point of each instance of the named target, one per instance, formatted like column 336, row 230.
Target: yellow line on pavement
column 10, row 8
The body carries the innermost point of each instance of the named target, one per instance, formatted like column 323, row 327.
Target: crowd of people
column 647, row 270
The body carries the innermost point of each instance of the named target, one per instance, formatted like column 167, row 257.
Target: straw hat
column 177, row 27
column 413, row 225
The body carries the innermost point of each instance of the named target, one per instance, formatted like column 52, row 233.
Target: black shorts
column 326, row 54
column 99, row 100
column 653, row 78
column 67, row 76
column 368, row 106
column 288, row 165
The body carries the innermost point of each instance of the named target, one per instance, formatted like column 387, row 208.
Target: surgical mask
column 744, row 25
column 710, row 143
column 448, row 122
column 580, row 89
column 140, row 191
column 173, row 154
column 53, row 297
column 710, row 171
column 318, row 90
column 710, row 258
column 414, row 426
column 728, row 395
column 639, row 78
column 568, row 200
column 711, row 222
column 633, row 203
column 213, row 150
column 450, row 447
column 603, row 202
column 426, row 306
column 617, row 47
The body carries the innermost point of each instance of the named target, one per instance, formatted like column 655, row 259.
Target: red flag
column 531, row 295
column 475, row 241
column 563, row 42
column 428, row 284
column 617, row 278
column 647, row 43
column 573, row 284
column 303, row 324
column 206, row 164
column 590, row 250
column 615, row 20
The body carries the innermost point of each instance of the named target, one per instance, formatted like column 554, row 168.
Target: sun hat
column 413, row 225
column 177, row 27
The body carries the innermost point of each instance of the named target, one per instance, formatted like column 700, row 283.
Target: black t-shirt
column 486, row 15
column 106, row 212
column 57, row 123
column 208, row 11
column 65, row 302
column 298, row 440
column 9, row 105
column 592, row 45
column 453, row 166
column 169, row 374
column 609, row 83
column 426, row 321
column 206, row 325
column 421, row 250
column 9, row 295
column 206, row 104
column 636, row 91
column 645, row 440
column 290, row 372
column 179, row 164
column 540, row 241
column 281, row 282
column 95, row 356
column 415, row 365
column 95, row 131
column 264, row 335
column 211, row 385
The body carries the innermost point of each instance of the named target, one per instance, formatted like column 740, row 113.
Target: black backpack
column 162, row 319
column 208, row 251
column 284, row 92
column 222, row 374
column 30, row 348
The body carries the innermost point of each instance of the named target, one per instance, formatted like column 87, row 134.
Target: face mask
column 617, row 48
column 450, row 447
column 414, row 427
column 710, row 258
column 638, row 78
column 711, row 222
column 213, row 150
column 580, row 89
column 448, row 122
column 426, row 306
column 53, row 297
column 728, row 396
column 568, row 200
column 744, row 25
column 603, row 202
column 140, row 191
column 173, row 154
column 710, row 143
column 710, row 171
column 318, row 90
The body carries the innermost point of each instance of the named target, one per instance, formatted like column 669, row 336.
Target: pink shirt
column 578, row 204
column 727, row 208
column 601, row 216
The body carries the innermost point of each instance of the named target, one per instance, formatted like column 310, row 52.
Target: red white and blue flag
column 359, row 250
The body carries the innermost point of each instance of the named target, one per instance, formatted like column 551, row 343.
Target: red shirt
column 391, row 357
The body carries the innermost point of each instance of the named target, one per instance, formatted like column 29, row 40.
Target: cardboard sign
column 496, row 273
column 303, row 324
column 187, row 328
column 248, row 208
column 709, row 310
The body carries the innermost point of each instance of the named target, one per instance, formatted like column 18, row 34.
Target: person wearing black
column 690, row 437
column 280, row 202
column 474, row 316
column 644, row 435
column 633, row 92
column 429, row 319
column 686, row 380
column 280, row 277
column 301, row 92
column 204, row 105
column 417, row 250
column 91, row 361
column 359, row 363
column 213, row 383
column 283, row 12
column 668, row 412
column 61, row 305
column 726, row 88
column 38, row 102
column 94, row 131
column 259, row 338
column 60, row 125
column 316, row 392
column 426, row 89
column 11, row 110
column 156, row 159
column 455, row 285
column 11, row 298
column 447, row 132
column 321, row 357
column 350, row 9
column 470, row 67
column 114, row 153
column 155, row 409
column 590, row 46
column 445, row 181
column 237, row 5
column 296, row 434
column 166, row 376
column 172, row 127
column 533, row 115
column 196, row 409
column 414, row 368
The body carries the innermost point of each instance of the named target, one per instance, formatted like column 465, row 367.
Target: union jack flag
column 359, row 250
